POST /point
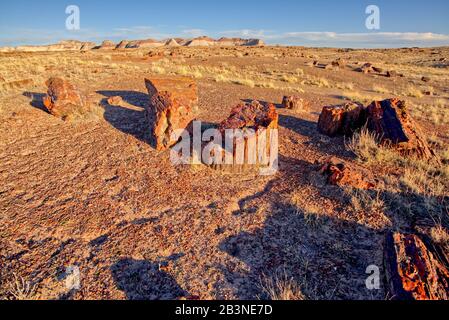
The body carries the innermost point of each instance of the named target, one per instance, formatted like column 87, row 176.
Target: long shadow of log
column 128, row 120
column 36, row 100
column 135, row 98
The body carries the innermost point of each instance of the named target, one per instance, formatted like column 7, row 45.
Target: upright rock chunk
column 255, row 147
column 251, row 115
column 391, row 122
column 295, row 103
column 341, row 119
column 63, row 99
column 413, row 272
column 171, row 107
column 339, row 62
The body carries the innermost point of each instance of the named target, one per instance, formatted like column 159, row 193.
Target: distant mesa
column 107, row 44
column 65, row 45
column 74, row 45
column 148, row 43
column 172, row 43
column 201, row 41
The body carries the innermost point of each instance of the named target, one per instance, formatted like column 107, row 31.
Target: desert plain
column 92, row 192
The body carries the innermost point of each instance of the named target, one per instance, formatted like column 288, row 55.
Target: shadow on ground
column 324, row 257
column 142, row 280
column 135, row 98
column 128, row 120
column 36, row 100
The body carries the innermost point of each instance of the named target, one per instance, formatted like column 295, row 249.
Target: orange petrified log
column 172, row 105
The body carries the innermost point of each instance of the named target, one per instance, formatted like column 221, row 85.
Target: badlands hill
column 74, row 45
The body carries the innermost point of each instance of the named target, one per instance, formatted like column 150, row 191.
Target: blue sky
column 294, row 22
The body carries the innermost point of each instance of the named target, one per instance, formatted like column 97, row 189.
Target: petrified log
column 295, row 103
column 391, row 122
column 392, row 74
column 366, row 68
column 413, row 273
column 343, row 173
column 253, row 129
column 171, row 107
column 63, row 99
column 339, row 62
column 341, row 119
column 378, row 70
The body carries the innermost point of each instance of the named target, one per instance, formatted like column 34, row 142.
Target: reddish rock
column 425, row 79
column 251, row 115
column 63, row 99
column 339, row 63
column 172, row 105
column 343, row 173
column 366, row 68
column 341, row 119
column 413, row 272
column 295, row 103
column 390, row 120
column 261, row 118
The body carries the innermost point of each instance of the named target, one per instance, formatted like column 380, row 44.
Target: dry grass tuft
column 380, row 89
column 366, row 147
column 20, row 289
column 413, row 92
column 440, row 235
column 436, row 112
column 359, row 97
column 421, row 187
column 281, row 287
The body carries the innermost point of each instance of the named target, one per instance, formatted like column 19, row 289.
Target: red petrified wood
column 391, row 122
column 256, row 121
column 171, row 107
column 413, row 272
column 63, row 99
column 295, row 103
column 341, row 119
column 343, row 173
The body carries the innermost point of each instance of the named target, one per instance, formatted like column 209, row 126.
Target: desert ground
column 92, row 192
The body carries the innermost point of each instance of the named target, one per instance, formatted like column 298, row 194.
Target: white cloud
column 193, row 32
column 368, row 39
column 246, row 33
